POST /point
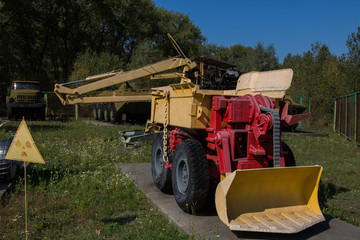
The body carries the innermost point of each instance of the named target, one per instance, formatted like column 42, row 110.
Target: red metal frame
column 247, row 140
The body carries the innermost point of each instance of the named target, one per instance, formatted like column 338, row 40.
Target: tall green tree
column 317, row 75
column 259, row 58
column 187, row 35
column 353, row 60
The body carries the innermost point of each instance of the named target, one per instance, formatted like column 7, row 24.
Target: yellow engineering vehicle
column 232, row 139
column 221, row 129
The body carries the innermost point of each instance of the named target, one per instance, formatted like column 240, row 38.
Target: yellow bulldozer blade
column 277, row 200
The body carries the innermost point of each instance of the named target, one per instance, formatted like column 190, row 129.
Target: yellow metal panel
column 188, row 109
column 270, row 200
column 101, row 76
column 109, row 99
column 62, row 89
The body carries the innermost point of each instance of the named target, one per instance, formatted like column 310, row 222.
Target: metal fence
column 306, row 101
column 347, row 116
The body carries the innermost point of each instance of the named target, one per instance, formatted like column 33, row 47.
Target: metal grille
column 347, row 116
column 24, row 98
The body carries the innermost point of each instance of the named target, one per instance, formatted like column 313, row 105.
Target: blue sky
column 292, row 26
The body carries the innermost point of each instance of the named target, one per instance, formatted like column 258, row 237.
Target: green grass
column 79, row 193
column 339, row 189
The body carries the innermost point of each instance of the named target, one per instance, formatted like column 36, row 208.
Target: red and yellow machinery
column 231, row 140
column 221, row 129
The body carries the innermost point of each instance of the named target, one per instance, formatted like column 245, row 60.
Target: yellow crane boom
column 75, row 95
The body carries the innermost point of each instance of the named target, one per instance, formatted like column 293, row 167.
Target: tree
column 353, row 59
column 92, row 63
column 317, row 74
column 246, row 59
column 180, row 27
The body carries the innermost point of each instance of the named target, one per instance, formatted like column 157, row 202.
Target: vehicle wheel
column 95, row 112
column 107, row 112
column 101, row 112
column 106, row 115
column 190, row 175
column 114, row 116
column 289, row 158
column 161, row 176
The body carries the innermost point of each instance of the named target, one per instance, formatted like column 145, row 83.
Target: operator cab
column 214, row 74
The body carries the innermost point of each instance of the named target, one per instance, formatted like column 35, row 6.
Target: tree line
column 55, row 41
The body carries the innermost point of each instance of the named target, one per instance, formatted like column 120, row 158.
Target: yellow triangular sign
column 23, row 147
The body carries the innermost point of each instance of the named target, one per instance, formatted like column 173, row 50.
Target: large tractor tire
column 95, row 112
column 101, row 112
column 106, row 115
column 107, row 110
column 190, row 175
column 110, row 113
column 161, row 176
column 114, row 115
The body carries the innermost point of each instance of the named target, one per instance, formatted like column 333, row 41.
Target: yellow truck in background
column 25, row 99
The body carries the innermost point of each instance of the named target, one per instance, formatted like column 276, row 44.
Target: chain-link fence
column 347, row 116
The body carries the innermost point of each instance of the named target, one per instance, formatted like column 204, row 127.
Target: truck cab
column 25, row 100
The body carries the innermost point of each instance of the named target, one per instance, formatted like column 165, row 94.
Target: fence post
column 346, row 115
column 356, row 115
column 334, row 116
column 76, row 112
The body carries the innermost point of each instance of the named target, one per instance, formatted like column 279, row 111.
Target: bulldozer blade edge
column 276, row 200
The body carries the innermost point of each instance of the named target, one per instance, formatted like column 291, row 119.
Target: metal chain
column 166, row 122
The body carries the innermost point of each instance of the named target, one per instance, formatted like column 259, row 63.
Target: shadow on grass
column 327, row 191
column 119, row 220
column 38, row 176
column 297, row 132
column 34, row 127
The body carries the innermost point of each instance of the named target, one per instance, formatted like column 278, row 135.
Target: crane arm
column 121, row 77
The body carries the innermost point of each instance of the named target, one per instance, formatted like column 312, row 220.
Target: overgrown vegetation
column 80, row 193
